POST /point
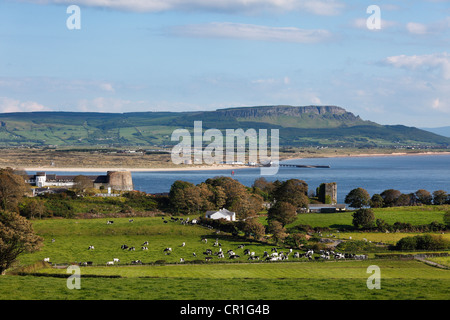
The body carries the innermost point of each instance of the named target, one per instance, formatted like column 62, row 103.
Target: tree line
column 359, row 198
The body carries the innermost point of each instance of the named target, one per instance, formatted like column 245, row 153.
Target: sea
column 373, row 173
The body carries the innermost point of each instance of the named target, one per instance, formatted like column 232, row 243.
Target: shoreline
column 224, row 167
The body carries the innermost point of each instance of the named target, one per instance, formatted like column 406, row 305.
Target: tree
column 12, row 189
column 254, row 228
column 447, row 218
column 376, row 201
column 81, row 183
column 357, row 198
column 440, row 197
column 404, row 200
column 423, row 196
column 278, row 231
column 363, row 218
column 293, row 191
column 32, row 208
column 283, row 212
column 16, row 236
column 390, row 197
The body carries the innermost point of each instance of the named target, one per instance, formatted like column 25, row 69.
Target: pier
column 303, row 166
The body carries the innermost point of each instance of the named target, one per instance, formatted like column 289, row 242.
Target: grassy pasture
column 74, row 236
column 270, row 281
column 337, row 280
column 413, row 215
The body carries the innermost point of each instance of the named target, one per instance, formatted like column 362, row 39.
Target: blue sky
column 175, row 55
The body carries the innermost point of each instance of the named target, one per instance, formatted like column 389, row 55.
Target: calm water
column 375, row 174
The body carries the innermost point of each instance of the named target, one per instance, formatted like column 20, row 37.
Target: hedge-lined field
column 288, row 280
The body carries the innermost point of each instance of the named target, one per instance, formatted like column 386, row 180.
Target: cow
column 116, row 260
column 110, row 222
column 124, row 247
column 91, row 248
column 183, row 244
column 181, row 260
column 145, row 243
column 110, row 263
column 131, row 249
column 130, row 220
column 144, row 248
column 47, row 259
column 208, row 259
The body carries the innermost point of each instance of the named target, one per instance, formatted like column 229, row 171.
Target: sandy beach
column 216, row 167
column 187, row 168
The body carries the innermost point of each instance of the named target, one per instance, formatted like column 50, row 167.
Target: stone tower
column 120, row 180
column 328, row 193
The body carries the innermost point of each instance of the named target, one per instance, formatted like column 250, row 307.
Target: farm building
column 326, row 208
column 221, row 214
column 117, row 180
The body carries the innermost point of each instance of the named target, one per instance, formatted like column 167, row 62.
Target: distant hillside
column 443, row 131
column 299, row 126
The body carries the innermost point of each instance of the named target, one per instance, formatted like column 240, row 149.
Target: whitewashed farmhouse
column 221, row 214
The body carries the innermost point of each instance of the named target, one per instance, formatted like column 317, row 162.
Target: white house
column 221, row 214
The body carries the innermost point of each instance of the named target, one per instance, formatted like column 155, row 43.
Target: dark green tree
column 363, row 218
column 357, row 198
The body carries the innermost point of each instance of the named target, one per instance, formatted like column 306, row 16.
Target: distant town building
column 221, row 214
column 116, row 180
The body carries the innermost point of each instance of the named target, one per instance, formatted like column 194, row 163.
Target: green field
column 164, row 277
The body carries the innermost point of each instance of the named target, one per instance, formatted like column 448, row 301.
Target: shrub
column 423, row 242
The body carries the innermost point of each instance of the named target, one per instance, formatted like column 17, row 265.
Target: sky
column 390, row 66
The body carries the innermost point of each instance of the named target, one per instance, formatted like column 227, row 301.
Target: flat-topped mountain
column 298, row 125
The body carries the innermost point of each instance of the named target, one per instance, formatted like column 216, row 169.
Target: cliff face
column 270, row 111
column 120, row 180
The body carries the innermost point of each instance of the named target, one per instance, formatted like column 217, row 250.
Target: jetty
column 303, row 166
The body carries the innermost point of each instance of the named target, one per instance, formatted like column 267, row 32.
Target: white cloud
column 361, row 23
column 102, row 104
column 320, row 7
column 13, row 105
column 440, row 61
column 250, row 32
column 416, row 28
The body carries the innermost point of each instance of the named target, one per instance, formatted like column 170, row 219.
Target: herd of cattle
column 208, row 254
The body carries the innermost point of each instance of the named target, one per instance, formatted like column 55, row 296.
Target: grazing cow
column 165, row 221
column 208, row 259
column 47, row 259
column 234, row 256
column 246, row 252
column 130, row 220
column 208, row 252
column 131, row 249
column 220, row 255
column 181, row 260
column 110, row 222
column 183, row 244
column 205, row 240
column 136, row 262
column 110, row 263
column 241, row 246
column 193, row 253
column 91, row 248
column 167, row 250
column 124, row 247
column 145, row 243
column 144, row 248
column 116, row 260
